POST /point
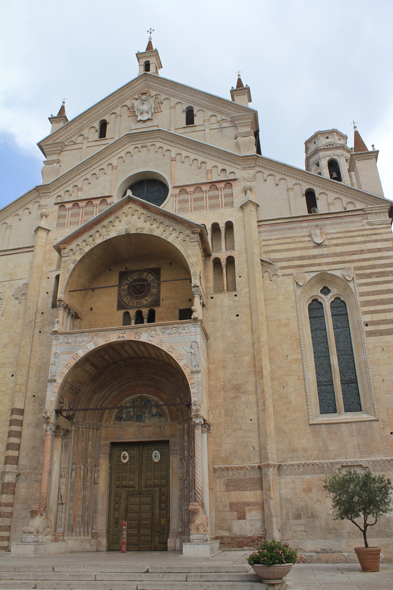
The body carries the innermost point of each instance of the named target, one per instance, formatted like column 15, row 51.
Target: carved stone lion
column 38, row 525
column 199, row 521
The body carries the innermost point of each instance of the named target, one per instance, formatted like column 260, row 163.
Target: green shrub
column 357, row 496
column 272, row 553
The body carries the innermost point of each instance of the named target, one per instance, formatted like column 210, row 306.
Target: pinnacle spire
column 358, row 143
column 150, row 42
column 239, row 83
column 62, row 110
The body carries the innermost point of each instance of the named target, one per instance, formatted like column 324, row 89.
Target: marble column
column 49, row 428
column 55, row 477
column 174, row 533
column 103, row 497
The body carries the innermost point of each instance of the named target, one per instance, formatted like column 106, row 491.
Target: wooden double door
column 139, row 494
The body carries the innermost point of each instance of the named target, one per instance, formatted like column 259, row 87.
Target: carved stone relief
column 20, row 293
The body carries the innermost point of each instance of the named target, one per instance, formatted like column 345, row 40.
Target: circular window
column 151, row 190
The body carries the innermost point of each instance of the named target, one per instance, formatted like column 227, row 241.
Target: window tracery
column 338, row 383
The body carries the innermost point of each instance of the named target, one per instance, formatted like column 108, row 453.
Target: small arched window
column 231, row 274
column 55, row 291
column 183, row 201
column 214, row 197
column 229, row 236
column 74, row 215
column 216, row 237
column 146, row 66
column 198, row 199
column 88, row 212
column 218, row 280
column 190, row 116
column 61, row 217
column 311, row 201
column 139, row 317
column 228, row 195
column 334, row 170
column 151, row 316
column 102, row 129
column 126, row 318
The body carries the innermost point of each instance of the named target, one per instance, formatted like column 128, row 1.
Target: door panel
column 139, row 494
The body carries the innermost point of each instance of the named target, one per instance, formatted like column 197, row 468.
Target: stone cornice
column 317, row 217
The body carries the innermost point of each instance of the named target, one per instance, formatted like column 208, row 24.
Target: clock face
column 139, row 288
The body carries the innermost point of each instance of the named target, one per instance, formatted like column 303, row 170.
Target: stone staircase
column 127, row 577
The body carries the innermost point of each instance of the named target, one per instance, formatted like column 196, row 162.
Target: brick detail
column 240, row 542
column 12, row 446
column 15, row 422
column 248, row 484
column 240, row 508
column 17, row 412
column 11, row 460
column 4, row 528
column 6, row 504
column 8, row 488
column 14, row 434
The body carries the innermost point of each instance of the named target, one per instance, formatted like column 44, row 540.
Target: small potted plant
column 361, row 497
column 272, row 560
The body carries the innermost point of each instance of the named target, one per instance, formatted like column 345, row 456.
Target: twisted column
column 198, row 462
column 45, row 469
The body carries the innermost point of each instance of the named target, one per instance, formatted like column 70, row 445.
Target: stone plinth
column 205, row 549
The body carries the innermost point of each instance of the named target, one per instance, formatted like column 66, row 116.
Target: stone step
column 105, row 585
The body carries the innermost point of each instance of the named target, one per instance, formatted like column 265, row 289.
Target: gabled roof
column 223, row 107
column 166, row 216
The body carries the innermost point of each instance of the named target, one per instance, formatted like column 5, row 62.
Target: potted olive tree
column 360, row 498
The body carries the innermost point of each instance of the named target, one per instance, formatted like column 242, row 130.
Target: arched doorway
column 129, row 452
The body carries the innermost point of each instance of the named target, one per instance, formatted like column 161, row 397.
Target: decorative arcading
column 198, row 464
column 45, row 469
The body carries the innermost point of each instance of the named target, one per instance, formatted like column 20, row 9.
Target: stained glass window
column 346, row 361
column 323, row 369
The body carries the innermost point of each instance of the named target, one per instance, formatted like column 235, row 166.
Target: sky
column 311, row 65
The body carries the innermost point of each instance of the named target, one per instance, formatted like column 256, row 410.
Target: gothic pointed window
column 337, row 375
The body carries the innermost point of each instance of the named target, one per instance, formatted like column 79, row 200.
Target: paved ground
column 303, row 576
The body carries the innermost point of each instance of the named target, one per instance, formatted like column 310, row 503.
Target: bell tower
column 149, row 60
column 327, row 154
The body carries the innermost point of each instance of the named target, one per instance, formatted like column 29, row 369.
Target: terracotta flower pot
column 272, row 572
column 369, row 558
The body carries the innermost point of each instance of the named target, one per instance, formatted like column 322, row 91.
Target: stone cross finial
column 354, row 123
column 238, row 73
column 150, row 31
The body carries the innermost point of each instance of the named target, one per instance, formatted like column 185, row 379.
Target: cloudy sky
column 311, row 65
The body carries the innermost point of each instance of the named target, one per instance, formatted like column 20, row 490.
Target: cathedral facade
column 193, row 335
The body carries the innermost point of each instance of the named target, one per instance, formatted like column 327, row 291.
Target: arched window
column 74, row 215
column 216, row 237
column 228, row 195
column 231, row 274
column 229, row 236
column 190, row 116
column 336, row 370
column 88, row 212
column 103, row 204
column 55, row 291
column 102, row 129
column 61, row 217
column 151, row 316
column 183, row 201
column 198, row 199
column 334, row 170
column 213, row 197
column 139, row 317
column 218, row 281
column 146, row 66
column 311, row 201
column 150, row 189
column 126, row 318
